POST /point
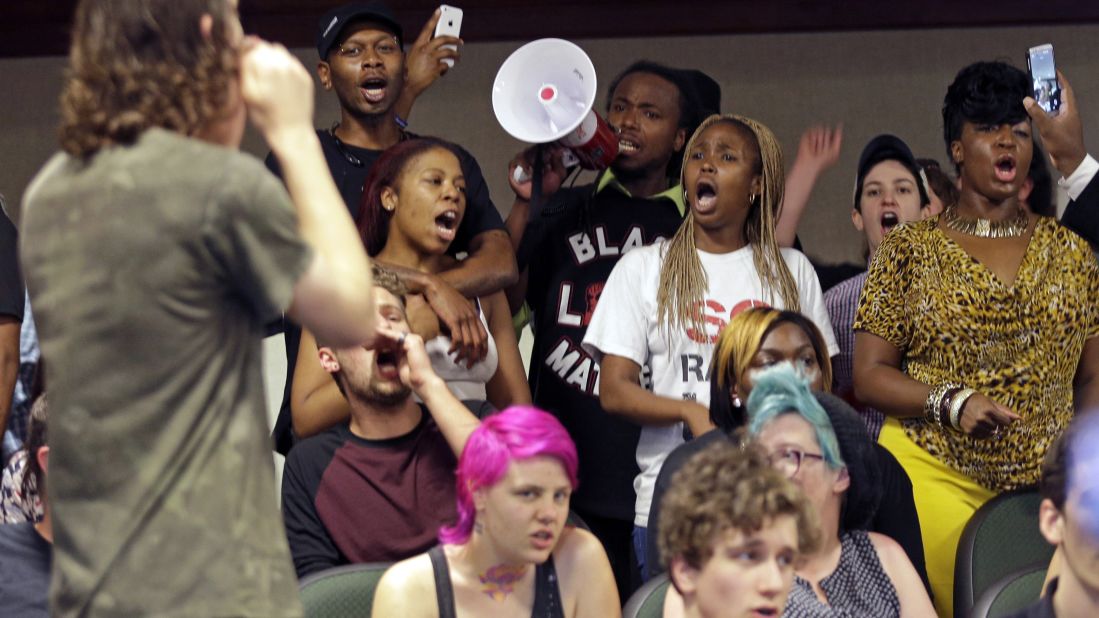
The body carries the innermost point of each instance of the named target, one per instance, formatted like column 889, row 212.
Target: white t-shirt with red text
column 625, row 324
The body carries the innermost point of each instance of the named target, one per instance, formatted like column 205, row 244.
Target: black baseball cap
column 889, row 148
column 333, row 23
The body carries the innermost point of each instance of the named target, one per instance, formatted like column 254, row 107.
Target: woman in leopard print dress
column 976, row 328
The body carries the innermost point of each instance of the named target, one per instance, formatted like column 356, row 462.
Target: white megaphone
column 544, row 93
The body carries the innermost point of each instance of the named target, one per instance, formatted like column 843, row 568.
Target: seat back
column 648, row 601
column 1001, row 538
column 341, row 591
column 1012, row 593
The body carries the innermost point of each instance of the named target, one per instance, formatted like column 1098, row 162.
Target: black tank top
column 547, row 597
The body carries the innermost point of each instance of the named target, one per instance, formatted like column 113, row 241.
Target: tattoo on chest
column 499, row 581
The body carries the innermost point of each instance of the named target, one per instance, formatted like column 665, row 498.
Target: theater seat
column 341, row 591
column 648, row 601
column 1001, row 538
column 1011, row 594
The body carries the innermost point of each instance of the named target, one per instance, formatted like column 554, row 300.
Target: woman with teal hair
column 821, row 444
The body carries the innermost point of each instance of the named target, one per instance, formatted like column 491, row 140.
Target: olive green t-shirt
column 152, row 269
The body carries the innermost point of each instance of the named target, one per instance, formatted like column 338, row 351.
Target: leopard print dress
column 954, row 321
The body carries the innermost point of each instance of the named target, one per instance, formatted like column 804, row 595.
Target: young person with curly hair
column 735, row 530
column 154, row 253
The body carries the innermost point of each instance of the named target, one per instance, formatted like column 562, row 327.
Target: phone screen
column 1043, row 75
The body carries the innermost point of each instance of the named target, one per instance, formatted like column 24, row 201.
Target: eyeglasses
column 355, row 51
column 788, row 461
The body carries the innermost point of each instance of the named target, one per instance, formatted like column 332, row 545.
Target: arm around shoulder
column 508, row 385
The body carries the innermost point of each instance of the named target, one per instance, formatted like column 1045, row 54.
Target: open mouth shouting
column 373, row 89
column 889, row 220
column 388, row 364
column 1005, row 168
column 446, row 224
column 705, row 196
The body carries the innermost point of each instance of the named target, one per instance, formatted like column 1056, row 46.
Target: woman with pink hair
column 510, row 552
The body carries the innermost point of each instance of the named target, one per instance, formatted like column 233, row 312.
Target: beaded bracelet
column 957, row 402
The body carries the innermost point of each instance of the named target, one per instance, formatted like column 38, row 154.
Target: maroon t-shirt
column 346, row 499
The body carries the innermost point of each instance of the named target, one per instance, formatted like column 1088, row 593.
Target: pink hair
column 516, row 433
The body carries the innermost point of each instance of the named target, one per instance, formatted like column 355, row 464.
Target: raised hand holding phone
column 1043, row 77
column 449, row 24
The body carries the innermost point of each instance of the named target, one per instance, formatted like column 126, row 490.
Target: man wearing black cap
column 578, row 238
column 890, row 189
column 363, row 62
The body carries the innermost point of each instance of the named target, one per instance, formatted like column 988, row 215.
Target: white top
column 1075, row 184
column 464, row 383
column 624, row 324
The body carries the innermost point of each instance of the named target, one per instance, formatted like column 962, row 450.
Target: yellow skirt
column 945, row 500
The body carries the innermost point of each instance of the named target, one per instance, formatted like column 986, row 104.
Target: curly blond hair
column 138, row 64
column 723, row 488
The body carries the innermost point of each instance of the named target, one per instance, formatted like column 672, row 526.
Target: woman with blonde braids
column 664, row 305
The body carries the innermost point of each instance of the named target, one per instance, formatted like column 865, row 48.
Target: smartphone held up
column 1043, row 77
column 449, row 24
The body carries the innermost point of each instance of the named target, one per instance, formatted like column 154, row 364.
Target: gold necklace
column 986, row 228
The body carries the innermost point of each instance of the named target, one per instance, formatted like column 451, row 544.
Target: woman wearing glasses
column 815, row 441
column 762, row 337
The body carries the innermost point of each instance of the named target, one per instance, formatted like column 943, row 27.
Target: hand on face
column 413, row 364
